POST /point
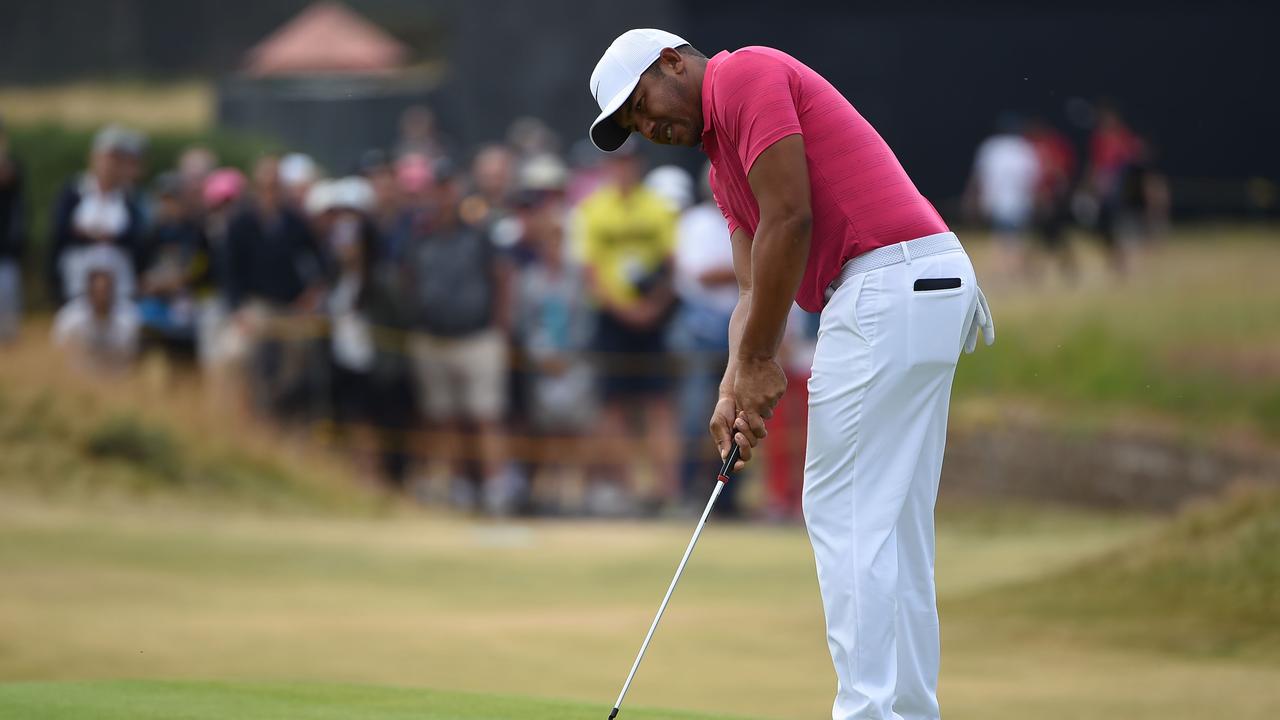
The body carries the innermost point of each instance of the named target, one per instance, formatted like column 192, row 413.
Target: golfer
column 821, row 212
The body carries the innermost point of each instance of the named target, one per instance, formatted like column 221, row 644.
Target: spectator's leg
column 264, row 376
column 10, row 300
column 480, row 365
column 435, row 403
column 392, row 412
column 699, row 385
column 663, row 443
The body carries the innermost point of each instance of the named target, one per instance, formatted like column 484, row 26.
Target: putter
column 721, row 480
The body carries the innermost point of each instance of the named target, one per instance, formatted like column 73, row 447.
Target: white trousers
column 878, row 400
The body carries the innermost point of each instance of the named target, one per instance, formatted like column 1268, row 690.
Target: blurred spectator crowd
column 1028, row 180
column 532, row 331
column 528, row 332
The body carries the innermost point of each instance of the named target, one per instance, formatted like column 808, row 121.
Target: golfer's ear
column 779, row 179
column 672, row 59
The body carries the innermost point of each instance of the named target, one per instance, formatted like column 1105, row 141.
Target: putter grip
column 729, row 462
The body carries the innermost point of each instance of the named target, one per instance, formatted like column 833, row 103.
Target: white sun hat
column 616, row 76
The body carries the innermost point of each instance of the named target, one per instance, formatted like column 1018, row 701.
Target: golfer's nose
column 649, row 129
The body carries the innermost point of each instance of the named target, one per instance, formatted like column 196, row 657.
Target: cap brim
column 606, row 133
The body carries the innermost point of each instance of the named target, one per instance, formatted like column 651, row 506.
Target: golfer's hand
column 757, row 387
column 722, row 430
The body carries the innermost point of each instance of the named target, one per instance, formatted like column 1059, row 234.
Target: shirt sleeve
column 757, row 103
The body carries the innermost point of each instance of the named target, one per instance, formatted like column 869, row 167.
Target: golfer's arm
column 780, row 181
column 741, row 243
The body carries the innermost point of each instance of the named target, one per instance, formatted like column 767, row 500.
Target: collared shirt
column 860, row 195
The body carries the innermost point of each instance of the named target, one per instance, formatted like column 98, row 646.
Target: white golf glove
column 983, row 320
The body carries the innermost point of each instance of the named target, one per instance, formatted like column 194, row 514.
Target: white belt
column 892, row 255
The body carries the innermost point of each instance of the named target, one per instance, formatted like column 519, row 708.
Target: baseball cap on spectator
column 353, row 193
column 320, row 198
column 617, row 74
column 673, row 184
column 540, row 177
column 543, row 172
column 133, row 142
column 297, row 169
column 111, row 138
column 222, row 186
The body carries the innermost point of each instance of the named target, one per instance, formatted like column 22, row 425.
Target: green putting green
column 166, row 700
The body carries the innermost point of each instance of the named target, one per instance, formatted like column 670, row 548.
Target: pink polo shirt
column 862, row 198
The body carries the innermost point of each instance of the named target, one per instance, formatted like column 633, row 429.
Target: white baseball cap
column 616, row 76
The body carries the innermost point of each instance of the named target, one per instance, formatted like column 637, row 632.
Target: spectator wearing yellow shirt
column 625, row 239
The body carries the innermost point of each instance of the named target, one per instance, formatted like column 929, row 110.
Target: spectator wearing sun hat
column 95, row 216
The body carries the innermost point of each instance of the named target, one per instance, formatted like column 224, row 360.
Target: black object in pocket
column 926, row 284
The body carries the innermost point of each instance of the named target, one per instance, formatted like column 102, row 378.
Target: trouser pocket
column 938, row 306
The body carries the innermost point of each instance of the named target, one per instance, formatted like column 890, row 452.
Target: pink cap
column 223, row 185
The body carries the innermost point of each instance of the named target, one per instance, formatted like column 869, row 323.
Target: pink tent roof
column 327, row 37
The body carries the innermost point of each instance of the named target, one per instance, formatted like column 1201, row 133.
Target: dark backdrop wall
column 1191, row 78
column 932, row 76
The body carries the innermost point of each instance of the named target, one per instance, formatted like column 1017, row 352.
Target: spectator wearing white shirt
column 1006, row 171
column 708, row 291
column 95, row 222
column 98, row 330
column 369, row 390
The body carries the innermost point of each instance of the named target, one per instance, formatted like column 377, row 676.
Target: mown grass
column 1193, row 335
column 556, row 610
column 151, row 700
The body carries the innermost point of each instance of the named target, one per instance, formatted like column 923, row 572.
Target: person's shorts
column 631, row 362
column 461, row 378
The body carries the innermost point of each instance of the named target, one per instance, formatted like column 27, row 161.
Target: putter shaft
column 721, row 480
